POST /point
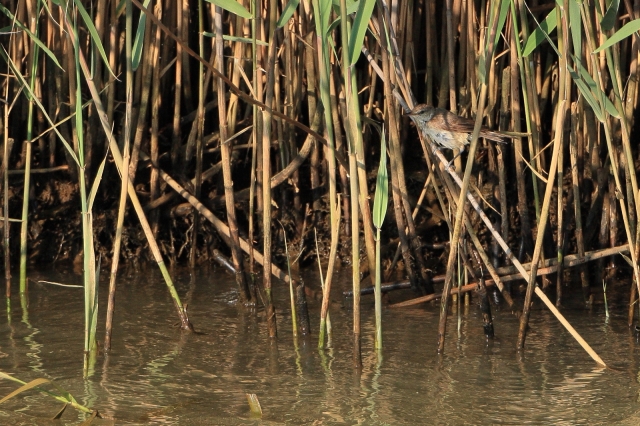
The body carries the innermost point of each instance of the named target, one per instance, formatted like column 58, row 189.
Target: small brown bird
column 448, row 129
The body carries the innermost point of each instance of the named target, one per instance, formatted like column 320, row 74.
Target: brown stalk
column 523, row 205
column 565, row 93
column 453, row 101
column 456, row 234
column 142, row 89
column 430, row 54
column 266, row 174
column 197, row 131
column 156, row 101
column 225, row 151
column 340, row 148
column 176, row 133
column 517, row 264
column 573, row 154
column 395, row 158
column 122, row 205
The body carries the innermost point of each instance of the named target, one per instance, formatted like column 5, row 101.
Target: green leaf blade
column 381, row 198
column 232, row 6
column 287, row 13
column 609, row 19
column 541, row 33
column 95, row 37
column 359, row 29
column 628, row 29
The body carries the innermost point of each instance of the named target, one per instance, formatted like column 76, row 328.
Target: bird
column 447, row 129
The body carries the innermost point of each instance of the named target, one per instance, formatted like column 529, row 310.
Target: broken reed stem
column 515, row 261
column 510, row 273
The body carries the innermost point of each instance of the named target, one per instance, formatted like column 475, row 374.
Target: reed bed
column 247, row 128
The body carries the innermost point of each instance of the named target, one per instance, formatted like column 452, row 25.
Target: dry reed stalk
column 510, row 273
column 519, row 266
column 525, row 82
column 410, row 244
column 141, row 92
column 430, row 55
column 522, row 205
column 6, row 234
column 341, row 149
column 565, row 93
column 255, row 196
column 453, row 101
column 266, row 174
column 566, row 85
column 502, row 180
column 156, row 100
column 325, row 322
column 575, row 177
column 225, row 150
column 398, row 189
column 122, row 204
column 456, row 234
column 113, row 47
column 239, row 27
column 176, row 130
column 195, row 137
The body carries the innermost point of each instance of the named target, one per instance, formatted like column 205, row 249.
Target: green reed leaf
column 232, row 6
column 138, row 40
column 541, row 33
column 95, row 37
column 575, row 24
column 287, row 13
column 586, row 93
column 32, row 36
column 624, row 32
column 609, row 19
column 359, row 29
column 381, row 198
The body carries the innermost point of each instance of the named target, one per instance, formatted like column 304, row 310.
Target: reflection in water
column 156, row 373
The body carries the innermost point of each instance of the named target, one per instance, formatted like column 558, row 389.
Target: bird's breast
column 446, row 139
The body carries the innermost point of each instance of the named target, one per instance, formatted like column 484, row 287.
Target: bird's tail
column 494, row 136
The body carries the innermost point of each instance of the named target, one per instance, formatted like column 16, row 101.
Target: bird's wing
column 455, row 122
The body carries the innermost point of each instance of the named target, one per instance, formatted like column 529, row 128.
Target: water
column 156, row 374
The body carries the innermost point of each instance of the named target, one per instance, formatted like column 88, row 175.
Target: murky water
column 156, row 374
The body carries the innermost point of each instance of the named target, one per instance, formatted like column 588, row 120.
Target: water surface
column 156, row 374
